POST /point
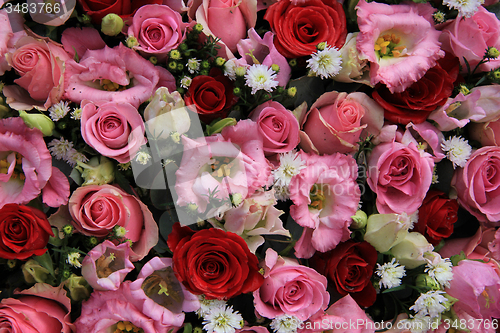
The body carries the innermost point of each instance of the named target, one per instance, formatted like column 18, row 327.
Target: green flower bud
column 292, row 91
column 153, row 60
column 292, row 62
column 180, row 67
column 321, row 46
column 237, row 91
column 219, row 61
column 11, row 263
column 426, row 282
column 218, row 126
column 275, row 68
column 172, row 65
column 204, row 72
column 359, row 220
column 98, row 171
column 38, row 120
column 240, row 71
column 175, row 54
column 205, row 64
column 492, row 53
column 464, row 90
column 198, row 27
column 183, row 47
column 35, row 273
column 78, row 287
column 68, row 230
column 131, row 41
column 111, row 25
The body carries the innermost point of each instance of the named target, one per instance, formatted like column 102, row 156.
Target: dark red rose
column 24, row 231
column 210, row 96
column 213, row 262
column 301, row 26
column 97, row 9
column 436, row 216
column 349, row 268
column 421, row 98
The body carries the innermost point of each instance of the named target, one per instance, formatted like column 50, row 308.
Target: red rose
column 213, row 262
column 24, row 231
column 422, row 97
column 436, row 216
column 97, row 9
column 210, row 96
column 301, row 26
column 349, row 268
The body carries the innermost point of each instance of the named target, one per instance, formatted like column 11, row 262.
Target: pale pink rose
column 97, row 209
column 278, row 127
column 290, row 288
column 133, row 78
column 104, row 309
column 40, row 309
column 263, row 50
column 158, row 30
column 26, row 156
column 469, row 37
column 325, row 195
column 169, row 306
column 428, row 136
column 400, row 175
column 344, row 315
column 413, row 28
column 241, row 166
column 115, row 130
column 477, row 184
column 106, row 265
column 41, row 66
column 228, row 20
column 76, row 41
column 476, row 285
column 337, row 120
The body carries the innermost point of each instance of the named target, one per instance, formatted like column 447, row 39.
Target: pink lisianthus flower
column 116, row 74
column 106, row 265
column 427, row 136
column 232, row 162
column 76, row 41
column 290, row 288
column 325, row 195
column 157, row 289
column 26, row 167
column 413, row 48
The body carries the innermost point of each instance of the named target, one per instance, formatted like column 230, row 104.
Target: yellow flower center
column 126, row 326
column 163, row 288
column 102, row 265
column 109, row 85
column 18, row 169
column 317, row 197
column 387, row 45
column 221, row 167
column 487, row 298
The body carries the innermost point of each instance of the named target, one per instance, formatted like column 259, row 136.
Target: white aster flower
column 441, row 270
column 457, row 150
column 59, row 148
column 58, row 110
column 206, row 305
column 465, row 8
column 73, row 259
column 390, row 274
column 260, row 77
column 76, row 114
column 417, row 324
column 285, row 324
column 222, row 320
column 186, row 82
column 230, row 69
column 290, row 165
column 432, row 303
column 74, row 155
column 143, row 157
column 325, row 63
column 193, row 65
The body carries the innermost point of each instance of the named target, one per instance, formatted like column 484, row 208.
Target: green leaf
column 457, row 258
column 46, row 262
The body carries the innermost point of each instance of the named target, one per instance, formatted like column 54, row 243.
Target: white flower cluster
column 441, row 270
column 390, row 274
column 465, row 8
column 290, row 165
column 457, row 150
column 325, row 63
column 58, row 110
column 62, row 149
column 218, row 317
column 261, row 77
column 285, row 324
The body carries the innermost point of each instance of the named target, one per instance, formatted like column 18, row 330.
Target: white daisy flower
column 59, row 148
column 417, row 324
column 281, row 193
column 206, row 305
column 193, row 65
column 390, row 273
column 260, row 77
column 143, row 157
column 457, row 150
column 285, row 324
column 58, row 110
column 406, row 219
column 325, row 63
column 230, row 69
column 222, row 320
column 290, row 165
column 76, row 114
column 432, row 303
column 440, row 269
column 465, row 8
column 73, row 259
column 186, row 82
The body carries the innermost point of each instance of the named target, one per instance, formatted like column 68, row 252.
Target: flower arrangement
column 230, row 166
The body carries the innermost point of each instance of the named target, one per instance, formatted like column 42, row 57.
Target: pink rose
column 290, row 288
column 96, row 210
column 228, row 20
column 115, row 130
column 469, row 37
column 40, row 309
column 477, row 184
column 400, row 175
column 278, row 127
column 26, row 167
column 336, row 120
column 487, row 134
column 158, row 30
column 41, row 66
column 116, row 74
column 8, row 38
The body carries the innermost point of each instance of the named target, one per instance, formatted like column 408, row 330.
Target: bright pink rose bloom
column 115, row 130
column 97, row 209
column 400, row 175
column 133, row 79
column 228, row 20
column 241, row 166
column 158, row 30
column 469, row 37
column 478, row 186
column 411, row 28
column 105, row 309
column 290, row 288
column 336, row 121
column 106, row 265
column 476, row 285
column 157, row 274
column 325, row 195
column 40, row 309
column 26, row 168
column 278, row 126
column 41, row 66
